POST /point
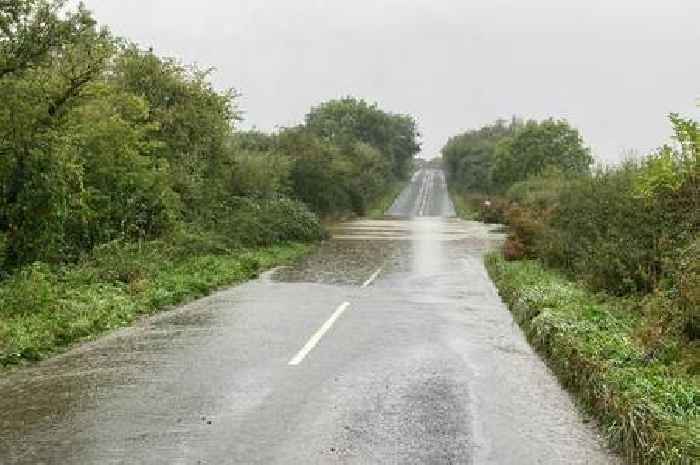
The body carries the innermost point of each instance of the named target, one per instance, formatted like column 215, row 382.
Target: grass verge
column 46, row 309
column 647, row 405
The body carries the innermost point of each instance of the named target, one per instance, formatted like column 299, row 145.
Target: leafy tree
column 124, row 189
column 46, row 65
column 469, row 157
column 537, row 146
column 319, row 175
column 368, row 174
column 30, row 30
column 346, row 121
column 194, row 120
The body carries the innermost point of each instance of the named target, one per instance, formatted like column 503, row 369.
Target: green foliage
column 672, row 169
column 41, row 181
column 333, row 180
column 241, row 221
column 368, row 177
column 537, row 146
column 649, row 407
column 32, row 30
column 685, row 268
column 258, row 174
column 617, row 229
column 193, row 120
column 620, row 230
column 124, row 190
column 609, row 236
column 319, row 173
column 47, row 309
column 347, row 121
column 469, row 157
column 251, row 141
column 491, row 159
column 540, row 191
column 527, row 208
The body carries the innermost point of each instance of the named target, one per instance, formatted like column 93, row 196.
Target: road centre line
column 299, row 357
column 371, row 278
column 308, row 347
column 419, row 197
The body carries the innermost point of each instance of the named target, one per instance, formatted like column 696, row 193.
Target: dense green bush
column 319, row 173
column 621, row 229
column 192, row 120
column 540, row 191
column 537, row 146
column 608, row 235
column 258, row 174
column 369, row 176
column 246, row 222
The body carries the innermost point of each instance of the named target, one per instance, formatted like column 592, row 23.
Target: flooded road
column 405, row 355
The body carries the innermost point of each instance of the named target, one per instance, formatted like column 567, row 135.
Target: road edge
column 634, row 420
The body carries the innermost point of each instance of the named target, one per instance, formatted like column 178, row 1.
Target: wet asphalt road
column 422, row 366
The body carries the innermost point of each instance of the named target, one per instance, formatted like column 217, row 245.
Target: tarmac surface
column 388, row 345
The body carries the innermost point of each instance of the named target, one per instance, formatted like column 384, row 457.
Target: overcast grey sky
column 613, row 68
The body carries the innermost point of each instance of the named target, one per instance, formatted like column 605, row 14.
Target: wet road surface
column 419, row 363
column 426, row 195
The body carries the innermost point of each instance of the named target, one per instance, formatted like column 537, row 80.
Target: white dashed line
column 299, row 357
column 371, row 278
column 308, row 347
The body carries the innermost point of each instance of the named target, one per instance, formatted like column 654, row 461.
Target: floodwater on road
column 412, row 359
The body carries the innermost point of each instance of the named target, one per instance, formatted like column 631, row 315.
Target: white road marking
column 424, row 193
column 371, row 278
column 299, row 357
column 419, row 197
column 427, row 193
